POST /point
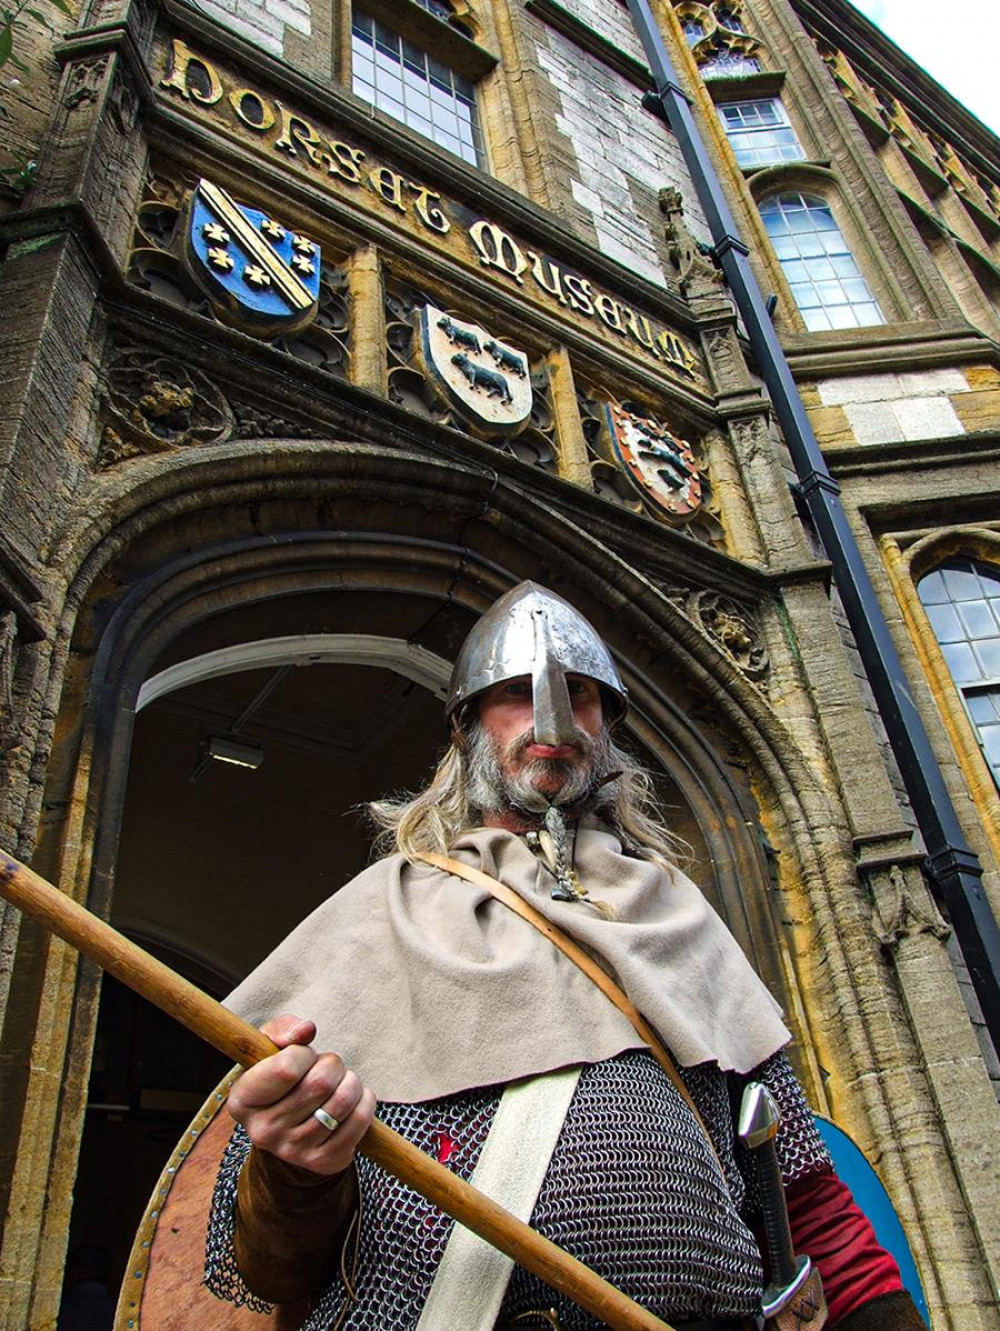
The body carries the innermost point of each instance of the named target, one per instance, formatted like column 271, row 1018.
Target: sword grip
column 777, row 1233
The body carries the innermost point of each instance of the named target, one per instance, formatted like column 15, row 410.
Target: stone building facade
column 323, row 324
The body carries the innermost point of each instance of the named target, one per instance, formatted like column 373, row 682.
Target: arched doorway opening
column 218, row 860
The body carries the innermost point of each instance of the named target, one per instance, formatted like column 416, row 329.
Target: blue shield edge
column 260, row 274
column 869, row 1192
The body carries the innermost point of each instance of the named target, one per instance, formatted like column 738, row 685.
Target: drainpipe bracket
column 726, row 244
column 654, row 99
column 817, row 480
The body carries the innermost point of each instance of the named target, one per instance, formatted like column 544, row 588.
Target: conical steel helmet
column 532, row 631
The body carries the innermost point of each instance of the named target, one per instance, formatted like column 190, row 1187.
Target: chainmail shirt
column 633, row 1190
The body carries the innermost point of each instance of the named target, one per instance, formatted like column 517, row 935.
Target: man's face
column 506, row 719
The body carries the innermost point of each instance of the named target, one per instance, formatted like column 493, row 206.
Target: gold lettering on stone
column 610, row 312
column 178, row 79
column 296, row 131
column 388, row 185
column 427, row 208
column 199, row 82
column 675, row 351
column 496, row 249
column 638, row 326
column 579, row 294
column 346, row 162
column 262, row 117
column 548, row 276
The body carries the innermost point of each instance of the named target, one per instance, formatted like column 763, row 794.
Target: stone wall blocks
column 874, row 423
column 926, row 383
column 859, row 388
column 292, row 15
column 927, row 418
column 978, row 411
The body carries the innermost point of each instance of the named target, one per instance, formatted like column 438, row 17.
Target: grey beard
column 586, row 787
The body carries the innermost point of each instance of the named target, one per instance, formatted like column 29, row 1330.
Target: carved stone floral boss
column 204, row 86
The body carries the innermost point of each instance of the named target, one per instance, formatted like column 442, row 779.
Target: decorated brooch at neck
column 550, row 845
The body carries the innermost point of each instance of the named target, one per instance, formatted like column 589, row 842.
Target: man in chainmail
column 469, row 1025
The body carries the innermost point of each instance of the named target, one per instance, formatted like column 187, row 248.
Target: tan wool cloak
column 428, row 986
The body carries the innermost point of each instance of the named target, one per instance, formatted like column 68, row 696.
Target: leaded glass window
column 826, row 282
column 409, row 84
column 760, row 132
column 436, row 7
column 727, row 19
column 729, row 64
column 962, row 600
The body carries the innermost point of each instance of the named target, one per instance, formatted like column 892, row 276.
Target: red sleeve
column 828, row 1226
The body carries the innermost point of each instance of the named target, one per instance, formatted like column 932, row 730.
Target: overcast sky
column 956, row 44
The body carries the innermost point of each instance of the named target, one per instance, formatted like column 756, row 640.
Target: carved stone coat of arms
column 660, row 465
column 485, row 380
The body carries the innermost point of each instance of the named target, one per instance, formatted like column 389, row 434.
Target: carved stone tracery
column 843, row 74
column 718, row 40
column 155, row 266
column 8, row 660
column 153, row 403
column 611, row 482
column 902, row 907
column 255, row 423
column 725, row 360
column 880, row 105
column 409, row 386
column 123, row 102
column 83, row 81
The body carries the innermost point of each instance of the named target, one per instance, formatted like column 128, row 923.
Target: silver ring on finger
column 329, row 1122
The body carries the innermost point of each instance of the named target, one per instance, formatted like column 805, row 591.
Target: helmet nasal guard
column 532, row 631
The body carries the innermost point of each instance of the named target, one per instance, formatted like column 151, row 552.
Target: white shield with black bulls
column 660, row 465
column 485, row 380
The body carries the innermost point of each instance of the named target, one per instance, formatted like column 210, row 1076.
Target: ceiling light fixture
column 227, row 750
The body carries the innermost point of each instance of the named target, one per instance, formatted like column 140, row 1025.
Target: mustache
column 581, row 741
column 501, row 775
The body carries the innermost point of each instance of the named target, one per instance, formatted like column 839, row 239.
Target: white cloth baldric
column 472, row 1275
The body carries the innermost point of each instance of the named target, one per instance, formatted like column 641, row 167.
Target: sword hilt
column 777, row 1231
column 758, row 1126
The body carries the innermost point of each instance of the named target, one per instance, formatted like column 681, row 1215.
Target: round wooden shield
column 163, row 1289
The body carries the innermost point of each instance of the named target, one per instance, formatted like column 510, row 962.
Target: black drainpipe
column 952, row 866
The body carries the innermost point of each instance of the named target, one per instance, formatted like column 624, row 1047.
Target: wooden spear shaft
column 240, row 1041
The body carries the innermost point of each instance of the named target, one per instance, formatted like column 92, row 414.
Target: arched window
column 820, row 269
column 962, row 600
column 728, row 19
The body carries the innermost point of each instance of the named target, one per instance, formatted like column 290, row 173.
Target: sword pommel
column 759, row 1116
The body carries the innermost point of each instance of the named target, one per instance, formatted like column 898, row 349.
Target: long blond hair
column 433, row 819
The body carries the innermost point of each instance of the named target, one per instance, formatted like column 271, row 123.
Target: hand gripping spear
column 245, row 1045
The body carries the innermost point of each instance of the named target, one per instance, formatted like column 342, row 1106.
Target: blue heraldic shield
column 260, row 276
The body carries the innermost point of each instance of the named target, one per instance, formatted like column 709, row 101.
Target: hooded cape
column 427, row 986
